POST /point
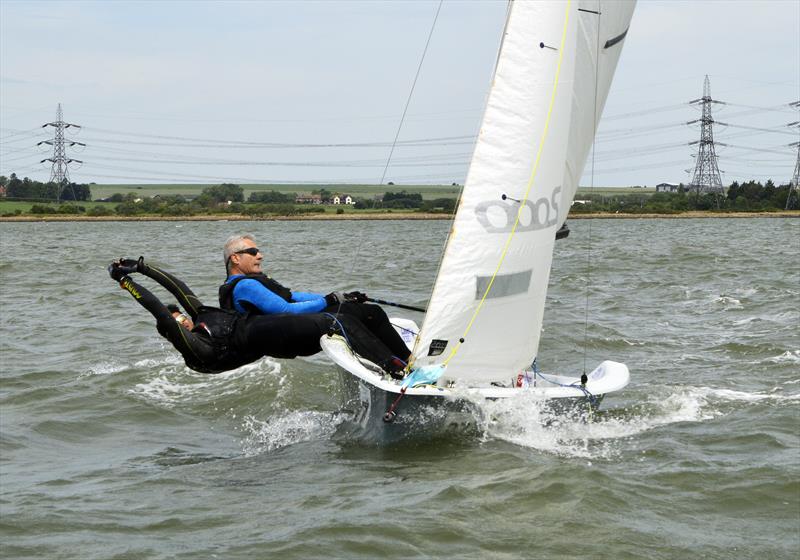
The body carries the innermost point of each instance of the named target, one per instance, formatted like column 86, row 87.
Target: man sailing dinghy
column 482, row 328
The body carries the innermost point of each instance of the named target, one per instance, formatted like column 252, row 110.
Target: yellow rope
column 527, row 191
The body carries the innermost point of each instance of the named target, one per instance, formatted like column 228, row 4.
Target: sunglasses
column 252, row 251
column 181, row 319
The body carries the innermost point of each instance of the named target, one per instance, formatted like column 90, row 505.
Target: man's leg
column 374, row 318
column 366, row 344
column 283, row 336
column 176, row 287
column 289, row 336
column 192, row 350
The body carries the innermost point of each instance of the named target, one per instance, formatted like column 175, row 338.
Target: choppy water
column 111, row 448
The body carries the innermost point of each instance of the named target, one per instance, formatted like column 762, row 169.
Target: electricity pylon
column 706, row 178
column 59, row 173
column 794, row 187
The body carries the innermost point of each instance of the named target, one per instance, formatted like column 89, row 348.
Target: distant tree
column 741, row 204
column 13, row 187
column 273, row 197
column 733, row 191
column 751, row 190
column 707, row 201
column 221, row 193
column 769, row 190
column 99, row 211
column 74, row 191
column 402, row 195
column 31, row 190
column 42, row 209
column 439, row 205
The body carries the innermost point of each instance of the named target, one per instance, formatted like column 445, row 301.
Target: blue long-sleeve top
column 254, row 293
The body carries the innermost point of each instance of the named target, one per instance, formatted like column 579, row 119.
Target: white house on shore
column 343, row 199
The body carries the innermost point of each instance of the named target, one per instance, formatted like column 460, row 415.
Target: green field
column 11, row 206
column 8, row 207
column 614, row 190
column 360, row 191
column 357, row 191
column 428, row 192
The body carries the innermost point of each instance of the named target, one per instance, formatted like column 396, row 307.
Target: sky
column 314, row 92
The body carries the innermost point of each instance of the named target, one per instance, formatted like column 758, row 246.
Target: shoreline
column 386, row 216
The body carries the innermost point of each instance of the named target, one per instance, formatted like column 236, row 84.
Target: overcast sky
column 203, row 92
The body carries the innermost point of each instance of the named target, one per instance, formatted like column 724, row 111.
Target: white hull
column 368, row 395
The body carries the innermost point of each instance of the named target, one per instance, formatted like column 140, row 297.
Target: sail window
column 504, row 284
column 436, row 347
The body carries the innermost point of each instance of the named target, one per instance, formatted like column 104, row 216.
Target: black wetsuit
column 223, row 340
column 371, row 316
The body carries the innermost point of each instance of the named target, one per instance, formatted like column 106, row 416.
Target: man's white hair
column 235, row 243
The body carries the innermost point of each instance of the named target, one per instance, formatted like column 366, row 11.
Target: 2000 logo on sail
column 499, row 216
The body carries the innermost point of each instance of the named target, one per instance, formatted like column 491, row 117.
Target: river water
column 111, row 448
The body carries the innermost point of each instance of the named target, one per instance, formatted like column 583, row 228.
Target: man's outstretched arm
column 251, row 292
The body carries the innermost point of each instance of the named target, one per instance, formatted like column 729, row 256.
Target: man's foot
column 395, row 367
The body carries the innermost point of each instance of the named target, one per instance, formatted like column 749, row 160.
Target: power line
column 215, row 142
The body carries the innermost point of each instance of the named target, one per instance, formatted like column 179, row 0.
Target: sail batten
column 486, row 311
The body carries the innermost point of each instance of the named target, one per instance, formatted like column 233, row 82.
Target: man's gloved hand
column 131, row 265
column 334, row 298
column 357, row 297
column 122, row 267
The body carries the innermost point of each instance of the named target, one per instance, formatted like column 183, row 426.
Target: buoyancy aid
column 218, row 323
column 226, row 290
column 218, row 326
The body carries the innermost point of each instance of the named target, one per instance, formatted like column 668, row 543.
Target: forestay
column 485, row 315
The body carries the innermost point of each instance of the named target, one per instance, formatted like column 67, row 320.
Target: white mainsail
column 602, row 27
column 485, row 315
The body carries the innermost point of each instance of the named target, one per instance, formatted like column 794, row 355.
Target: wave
column 104, row 368
column 287, row 429
column 747, row 321
column 729, row 302
column 173, row 383
column 788, row 357
column 730, row 395
column 530, row 422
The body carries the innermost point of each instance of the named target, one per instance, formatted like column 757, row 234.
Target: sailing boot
column 395, row 367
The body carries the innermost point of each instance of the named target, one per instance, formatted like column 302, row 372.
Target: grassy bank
column 359, row 191
column 380, row 216
column 428, row 192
